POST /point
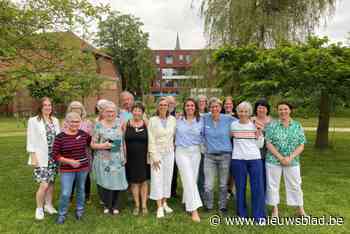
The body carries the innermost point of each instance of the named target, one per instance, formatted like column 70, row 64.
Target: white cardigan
column 160, row 139
column 36, row 139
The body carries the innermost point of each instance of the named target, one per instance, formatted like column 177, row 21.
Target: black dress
column 136, row 140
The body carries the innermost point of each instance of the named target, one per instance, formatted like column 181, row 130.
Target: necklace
column 137, row 126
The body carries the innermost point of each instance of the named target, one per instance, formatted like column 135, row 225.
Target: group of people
column 207, row 140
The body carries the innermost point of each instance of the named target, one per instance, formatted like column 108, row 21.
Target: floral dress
column 285, row 140
column 108, row 165
column 47, row 174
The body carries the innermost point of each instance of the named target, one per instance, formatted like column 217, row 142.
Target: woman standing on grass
column 41, row 133
column 218, row 154
column 246, row 160
column 109, row 160
column 262, row 119
column 285, row 142
column 229, row 109
column 202, row 102
column 86, row 126
column 189, row 130
column 161, row 131
column 137, row 167
column 70, row 151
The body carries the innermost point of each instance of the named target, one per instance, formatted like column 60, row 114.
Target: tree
column 121, row 35
column 31, row 49
column 314, row 73
column 263, row 22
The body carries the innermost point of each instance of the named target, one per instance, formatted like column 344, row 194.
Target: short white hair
column 100, row 104
column 109, row 104
column 72, row 115
column 245, row 105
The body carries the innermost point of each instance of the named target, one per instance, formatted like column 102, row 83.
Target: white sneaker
column 50, row 209
column 105, row 210
column 167, row 209
column 39, row 214
column 160, row 212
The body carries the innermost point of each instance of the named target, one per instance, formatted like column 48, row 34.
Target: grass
column 325, row 185
column 335, row 122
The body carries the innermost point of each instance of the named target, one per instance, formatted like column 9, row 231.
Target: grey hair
column 246, row 105
column 109, row 104
column 199, row 97
column 76, row 104
column 215, row 100
column 72, row 115
column 100, row 104
column 126, row 93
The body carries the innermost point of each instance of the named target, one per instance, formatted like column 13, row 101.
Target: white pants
column 292, row 181
column 161, row 179
column 187, row 160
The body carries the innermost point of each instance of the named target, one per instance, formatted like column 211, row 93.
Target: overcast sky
column 164, row 18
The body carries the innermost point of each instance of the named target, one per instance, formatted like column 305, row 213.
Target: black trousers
column 109, row 197
column 87, row 188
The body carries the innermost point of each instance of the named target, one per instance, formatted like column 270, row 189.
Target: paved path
column 330, row 129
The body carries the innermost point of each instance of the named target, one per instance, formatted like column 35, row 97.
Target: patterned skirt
column 46, row 174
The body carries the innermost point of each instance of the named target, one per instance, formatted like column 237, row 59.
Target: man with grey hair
column 126, row 102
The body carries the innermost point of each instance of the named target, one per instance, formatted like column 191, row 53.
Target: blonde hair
column 76, row 104
column 159, row 101
column 214, row 100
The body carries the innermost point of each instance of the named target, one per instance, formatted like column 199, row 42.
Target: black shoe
column 223, row 211
column 60, row 219
column 208, row 210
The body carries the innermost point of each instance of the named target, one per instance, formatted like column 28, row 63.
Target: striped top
column 72, row 147
column 245, row 142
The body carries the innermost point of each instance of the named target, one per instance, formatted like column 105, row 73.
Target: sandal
column 144, row 211
column 136, row 211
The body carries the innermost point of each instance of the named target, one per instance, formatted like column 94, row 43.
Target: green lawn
column 326, row 182
column 335, row 122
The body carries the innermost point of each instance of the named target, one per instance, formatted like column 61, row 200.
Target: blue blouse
column 217, row 136
column 188, row 134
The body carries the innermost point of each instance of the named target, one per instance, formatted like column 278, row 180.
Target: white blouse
column 160, row 138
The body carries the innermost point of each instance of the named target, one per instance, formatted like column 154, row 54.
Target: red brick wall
column 25, row 105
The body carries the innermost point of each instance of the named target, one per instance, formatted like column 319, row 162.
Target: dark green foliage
column 315, row 73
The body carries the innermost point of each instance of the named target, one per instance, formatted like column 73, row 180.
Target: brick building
column 24, row 104
column 173, row 68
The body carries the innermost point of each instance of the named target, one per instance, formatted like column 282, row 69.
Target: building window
column 169, row 59
column 169, row 84
column 169, row 72
column 157, row 59
column 188, row 58
column 181, row 57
